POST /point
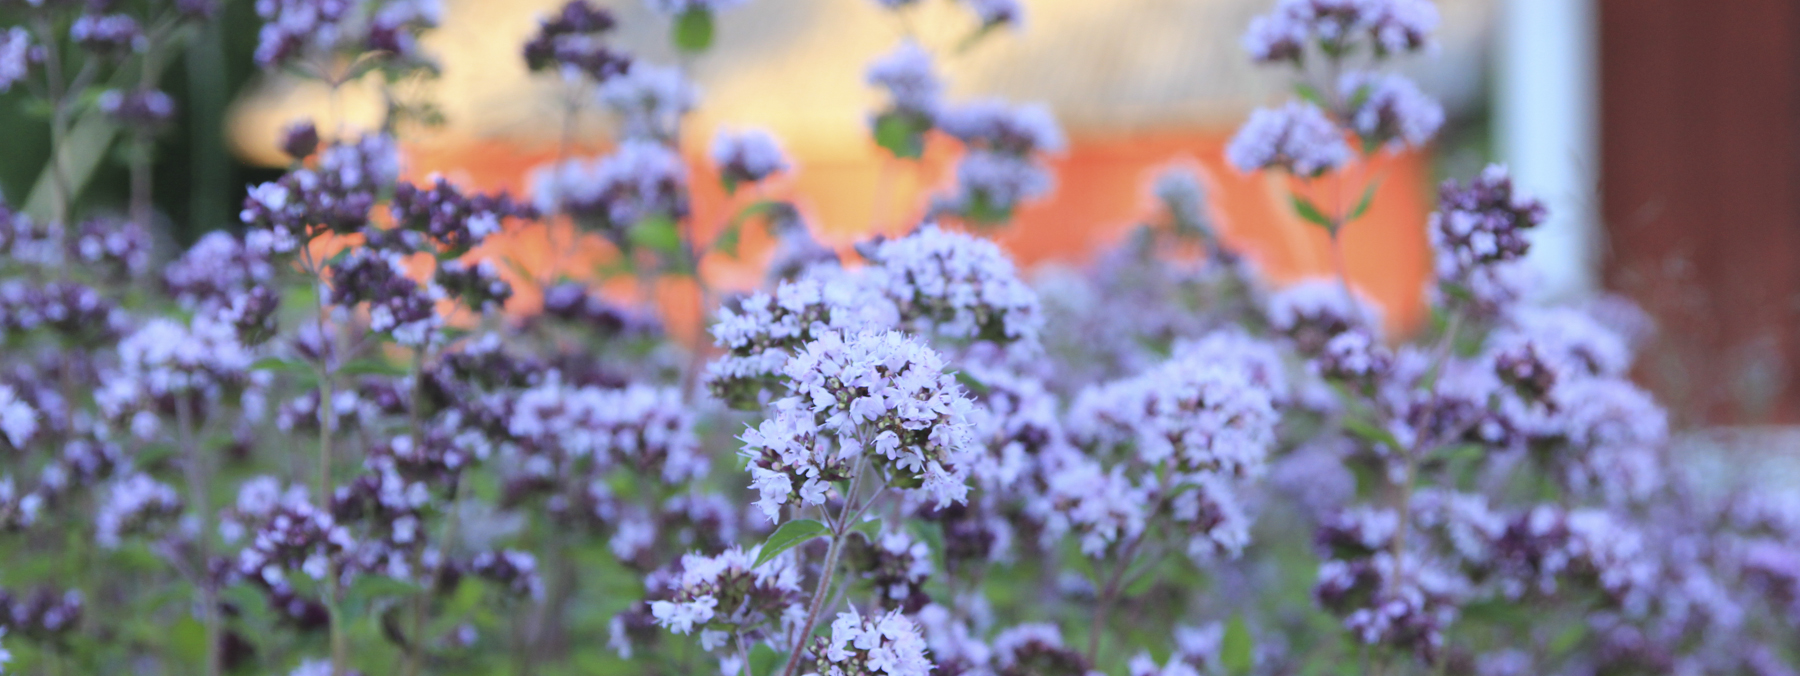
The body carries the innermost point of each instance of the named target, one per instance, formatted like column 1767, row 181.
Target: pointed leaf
column 764, row 660
column 869, row 529
column 1372, row 432
column 371, row 367
column 900, row 134
column 657, row 234
column 974, row 384
column 281, row 365
column 1237, row 650
column 1362, row 205
column 694, row 30
column 790, row 535
column 1310, row 212
column 1310, row 94
column 727, row 241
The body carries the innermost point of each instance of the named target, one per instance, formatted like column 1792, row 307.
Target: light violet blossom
column 879, row 396
column 1297, row 138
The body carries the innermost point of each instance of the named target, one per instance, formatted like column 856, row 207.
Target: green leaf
column 790, row 535
column 869, row 529
column 975, row 37
column 1311, row 213
column 371, row 367
column 932, row 535
column 764, row 660
column 693, row 30
column 727, row 241
column 1568, row 639
column 1362, row 205
column 1237, row 649
column 1310, row 94
column 975, row 386
column 657, row 234
column 1372, row 432
column 187, row 640
column 901, row 134
column 280, row 365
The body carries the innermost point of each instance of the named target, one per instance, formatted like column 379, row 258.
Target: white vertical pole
column 1546, row 129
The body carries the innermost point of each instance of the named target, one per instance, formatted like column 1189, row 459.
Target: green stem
column 198, row 475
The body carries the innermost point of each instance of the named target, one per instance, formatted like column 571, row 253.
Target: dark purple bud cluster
column 572, row 41
column 898, row 568
column 398, row 304
column 393, row 33
column 1478, row 234
column 454, row 221
column 572, row 302
column 1037, row 650
column 516, row 571
column 75, row 311
column 83, row 463
column 1525, row 371
column 1339, row 27
column 293, row 25
column 300, row 140
column 477, row 285
column 217, row 268
column 108, row 35
column 336, row 195
column 1356, row 358
column 1406, row 606
column 43, row 614
column 293, row 535
column 25, row 240
column 142, row 110
column 118, row 249
column 1486, row 221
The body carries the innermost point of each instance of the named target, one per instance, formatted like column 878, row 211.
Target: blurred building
column 1699, row 106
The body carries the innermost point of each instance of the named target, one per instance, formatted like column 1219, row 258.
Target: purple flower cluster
column 910, row 79
column 888, row 644
column 764, row 330
column 115, row 249
column 955, row 286
column 747, row 157
column 147, row 109
column 17, row 55
column 879, row 397
column 108, row 35
column 572, row 42
column 1297, row 138
column 646, row 428
column 292, row 26
column 1478, row 232
column 399, row 305
column 337, row 195
column 641, row 180
column 1339, row 27
column 650, row 101
column 453, row 221
column 1388, row 109
column 724, row 595
column 1312, row 313
column 999, row 170
column 386, row 28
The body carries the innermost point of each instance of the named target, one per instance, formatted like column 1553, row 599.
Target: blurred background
column 1664, row 135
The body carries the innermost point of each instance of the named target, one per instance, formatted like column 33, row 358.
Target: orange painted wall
column 1102, row 190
